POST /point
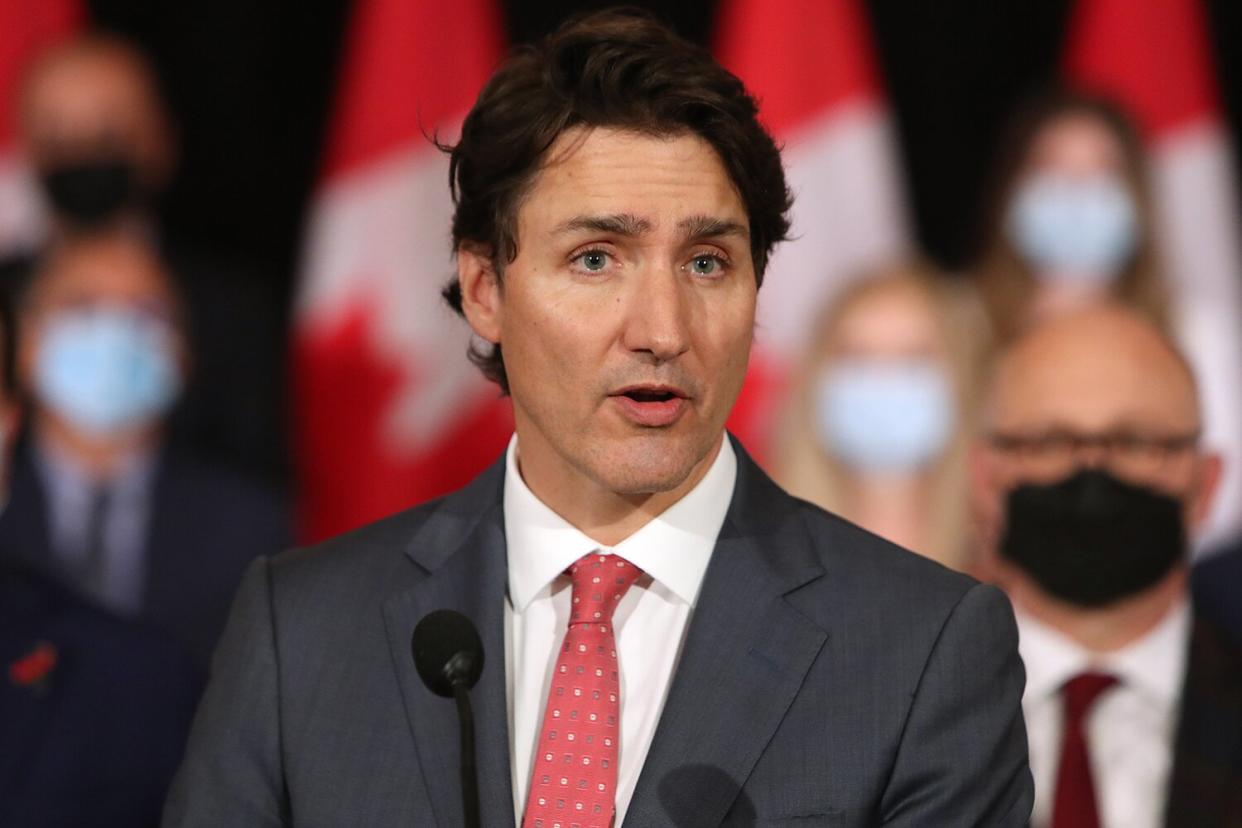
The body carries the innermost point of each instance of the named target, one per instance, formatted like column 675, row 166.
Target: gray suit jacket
column 827, row 678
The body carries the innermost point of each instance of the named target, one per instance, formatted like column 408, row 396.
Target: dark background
column 250, row 83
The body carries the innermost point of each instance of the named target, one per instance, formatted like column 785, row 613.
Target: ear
column 986, row 506
column 481, row 298
column 1207, row 481
column 979, row 466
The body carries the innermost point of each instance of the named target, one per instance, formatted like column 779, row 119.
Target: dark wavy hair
column 620, row 69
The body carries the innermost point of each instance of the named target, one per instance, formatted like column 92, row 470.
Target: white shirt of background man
column 1130, row 729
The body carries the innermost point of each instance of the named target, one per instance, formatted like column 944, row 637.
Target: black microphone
column 449, row 656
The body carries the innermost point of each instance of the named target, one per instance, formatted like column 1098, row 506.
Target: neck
column 1103, row 629
column 130, row 223
column 98, row 457
column 606, row 517
column 895, row 507
column 1062, row 292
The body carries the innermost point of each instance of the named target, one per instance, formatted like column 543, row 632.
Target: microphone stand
column 469, row 770
column 448, row 655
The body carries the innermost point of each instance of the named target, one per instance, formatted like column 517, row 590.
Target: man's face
column 626, row 319
column 93, row 105
column 1112, row 398
column 98, row 275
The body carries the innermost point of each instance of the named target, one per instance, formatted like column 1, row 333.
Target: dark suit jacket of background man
column 1216, row 582
column 1205, row 787
column 205, row 526
column 93, row 741
column 827, row 678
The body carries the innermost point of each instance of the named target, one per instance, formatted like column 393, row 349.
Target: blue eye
column 593, row 261
column 705, row 265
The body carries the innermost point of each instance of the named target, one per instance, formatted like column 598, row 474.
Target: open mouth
column 649, row 395
column 651, row 405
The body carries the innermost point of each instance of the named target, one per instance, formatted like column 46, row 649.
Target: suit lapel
column 467, row 574
column 26, row 713
column 23, row 520
column 29, row 615
column 746, row 655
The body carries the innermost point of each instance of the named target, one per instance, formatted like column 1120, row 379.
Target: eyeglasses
column 1128, row 453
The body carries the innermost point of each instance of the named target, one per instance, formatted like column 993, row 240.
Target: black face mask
column 89, row 193
column 1092, row 539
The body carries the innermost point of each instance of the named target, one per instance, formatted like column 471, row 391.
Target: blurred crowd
column 1032, row 421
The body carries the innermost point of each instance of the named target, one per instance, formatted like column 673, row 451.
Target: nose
column 657, row 317
column 1092, row 456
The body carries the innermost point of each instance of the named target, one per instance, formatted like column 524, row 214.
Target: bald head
column 1100, row 369
column 94, row 96
column 1099, row 386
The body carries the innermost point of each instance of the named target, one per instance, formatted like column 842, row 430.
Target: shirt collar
column 1154, row 665
column 673, row 548
column 65, row 478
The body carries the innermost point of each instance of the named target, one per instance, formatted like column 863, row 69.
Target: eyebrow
column 621, row 224
column 700, row 227
column 628, row 224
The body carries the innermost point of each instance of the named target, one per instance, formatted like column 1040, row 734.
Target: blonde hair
column 1006, row 282
column 803, row 466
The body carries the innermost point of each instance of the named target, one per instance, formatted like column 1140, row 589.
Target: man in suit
column 94, row 709
column 670, row 639
column 1091, row 481
column 97, row 499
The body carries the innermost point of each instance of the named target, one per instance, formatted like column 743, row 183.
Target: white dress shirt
column 650, row 622
column 1131, row 727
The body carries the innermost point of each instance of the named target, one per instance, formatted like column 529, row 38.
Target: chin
column 647, row 466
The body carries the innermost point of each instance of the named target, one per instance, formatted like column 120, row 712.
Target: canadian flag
column 26, row 28
column 811, row 67
column 388, row 410
column 1154, row 58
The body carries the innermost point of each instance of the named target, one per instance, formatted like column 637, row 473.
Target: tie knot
column 1082, row 691
column 600, row 582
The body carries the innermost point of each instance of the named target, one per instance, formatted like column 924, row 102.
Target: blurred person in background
column 92, row 125
column 94, row 709
column 1092, row 483
column 95, row 131
column 877, row 423
column 1071, row 220
column 98, row 499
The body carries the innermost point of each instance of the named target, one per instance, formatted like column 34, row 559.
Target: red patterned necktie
column 574, row 776
column 1075, row 804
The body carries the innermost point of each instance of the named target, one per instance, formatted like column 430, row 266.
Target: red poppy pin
column 33, row 669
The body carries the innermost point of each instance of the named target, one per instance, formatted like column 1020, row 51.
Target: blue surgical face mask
column 106, row 370
column 1074, row 227
column 885, row 416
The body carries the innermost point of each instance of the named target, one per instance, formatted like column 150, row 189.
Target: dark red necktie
column 1075, row 805
column 573, row 779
